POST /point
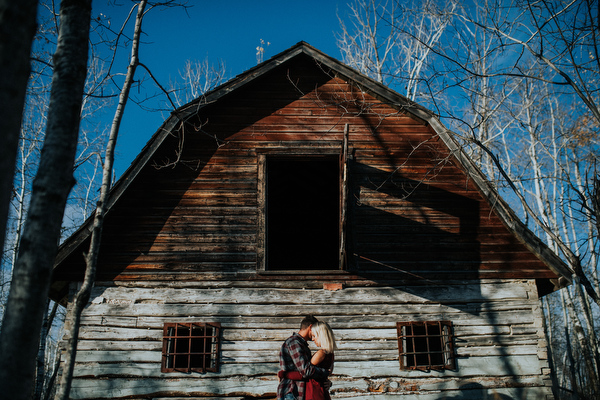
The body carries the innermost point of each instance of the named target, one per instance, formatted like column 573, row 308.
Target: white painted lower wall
column 499, row 339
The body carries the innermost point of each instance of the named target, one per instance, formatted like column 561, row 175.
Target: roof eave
column 177, row 116
column 511, row 221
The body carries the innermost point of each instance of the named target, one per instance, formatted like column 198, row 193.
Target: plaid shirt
column 295, row 356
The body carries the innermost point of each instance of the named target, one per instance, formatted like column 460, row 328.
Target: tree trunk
column 568, row 368
column 41, row 358
column 40, row 369
column 52, row 378
column 549, row 335
column 592, row 348
column 584, row 343
column 31, row 277
column 17, row 28
column 81, row 298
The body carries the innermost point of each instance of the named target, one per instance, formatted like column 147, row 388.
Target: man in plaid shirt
column 295, row 356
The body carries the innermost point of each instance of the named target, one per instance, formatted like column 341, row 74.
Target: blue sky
column 217, row 30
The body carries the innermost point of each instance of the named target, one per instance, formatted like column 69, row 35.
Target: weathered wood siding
column 181, row 244
column 413, row 212
column 498, row 337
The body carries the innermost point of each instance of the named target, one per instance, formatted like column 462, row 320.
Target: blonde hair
column 325, row 335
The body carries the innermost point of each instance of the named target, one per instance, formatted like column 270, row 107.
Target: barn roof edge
column 509, row 218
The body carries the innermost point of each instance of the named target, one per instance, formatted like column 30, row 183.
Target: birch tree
column 518, row 83
column 31, row 138
column 28, row 152
column 543, row 42
column 82, row 296
column 91, row 257
column 377, row 43
column 20, row 336
column 30, row 143
column 371, row 43
column 17, row 28
column 485, row 47
column 197, row 78
column 90, row 151
column 548, row 144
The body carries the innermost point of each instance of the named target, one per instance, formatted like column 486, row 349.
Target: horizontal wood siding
column 412, row 213
column 181, row 245
column 498, row 338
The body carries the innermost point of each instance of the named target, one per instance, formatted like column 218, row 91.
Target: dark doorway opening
column 303, row 196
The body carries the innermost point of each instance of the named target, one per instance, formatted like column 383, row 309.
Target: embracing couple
column 302, row 377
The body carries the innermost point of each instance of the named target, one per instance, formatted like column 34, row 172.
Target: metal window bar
column 425, row 345
column 190, row 347
column 428, row 338
column 169, row 348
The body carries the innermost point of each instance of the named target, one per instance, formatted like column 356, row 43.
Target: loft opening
column 300, row 212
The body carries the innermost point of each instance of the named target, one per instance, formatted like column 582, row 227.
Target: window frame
column 446, row 345
column 214, row 353
column 302, row 153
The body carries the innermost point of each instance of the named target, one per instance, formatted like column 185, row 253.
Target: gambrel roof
column 379, row 91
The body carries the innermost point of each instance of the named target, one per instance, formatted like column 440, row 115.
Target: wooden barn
column 303, row 187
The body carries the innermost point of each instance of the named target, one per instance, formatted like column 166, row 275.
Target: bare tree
column 91, row 147
column 560, row 48
column 41, row 358
column 542, row 178
column 17, row 28
column 31, row 138
column 484, row 49
column 197, row 78
column 82, row 296
column 518, row 83
column 378, row 43
column 91, row 257
column 30, row 144
column 372, row 44
column 20, row 336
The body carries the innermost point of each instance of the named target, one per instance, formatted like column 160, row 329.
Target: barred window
column 190, row 347
column 426, row 345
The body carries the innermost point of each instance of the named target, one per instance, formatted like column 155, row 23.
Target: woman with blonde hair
column 324, row 338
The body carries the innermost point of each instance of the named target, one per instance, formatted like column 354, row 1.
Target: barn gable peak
column 301, row 52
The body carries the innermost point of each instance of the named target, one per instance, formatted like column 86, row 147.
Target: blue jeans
column 289, row 396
